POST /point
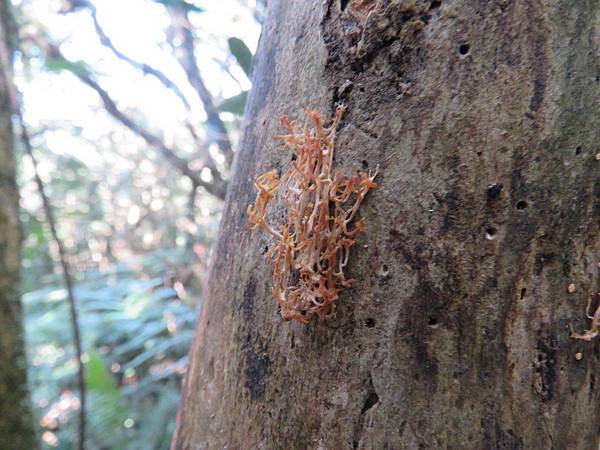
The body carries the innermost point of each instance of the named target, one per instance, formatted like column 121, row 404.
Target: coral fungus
column 313, row 247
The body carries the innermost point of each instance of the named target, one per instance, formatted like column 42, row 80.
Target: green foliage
column 78, row 68
column 137, row 331
column 235, row 104
column 106, row 402
column 181, row 4
column 242, row 54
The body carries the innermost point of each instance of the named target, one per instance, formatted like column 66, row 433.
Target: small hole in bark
column 578, row 150
column 265, row 249
column 464, row 49
column 365, row 164
column 494, row 190
column 294, row 157
column 523, row 293
column 361, row 88
column 371, row 401
column 433, row 322
column 435, row 4
column 521, row 204
column 490, row 233
column 479, row 153
column 370, row 322
column 383, row 271
column 344, row 4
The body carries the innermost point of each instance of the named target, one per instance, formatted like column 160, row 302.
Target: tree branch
column 149, row 70
column 216, row 188
column 145, row 68
column 187, row 59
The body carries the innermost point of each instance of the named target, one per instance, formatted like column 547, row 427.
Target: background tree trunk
column 16, row 422
column 484, row 120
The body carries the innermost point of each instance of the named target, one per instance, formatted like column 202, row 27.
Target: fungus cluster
column 313, row 245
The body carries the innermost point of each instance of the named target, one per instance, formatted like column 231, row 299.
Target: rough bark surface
column 484, row 119
column 16, row 422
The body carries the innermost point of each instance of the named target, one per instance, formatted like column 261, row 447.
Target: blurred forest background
column 133, row 110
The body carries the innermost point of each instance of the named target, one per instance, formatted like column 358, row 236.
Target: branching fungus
column 589, row 335
column 313, row 247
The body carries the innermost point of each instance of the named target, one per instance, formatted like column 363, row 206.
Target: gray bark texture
column 16, row 422
column 484, row 120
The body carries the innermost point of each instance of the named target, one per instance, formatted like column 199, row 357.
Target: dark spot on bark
column 370, row 322
column 545, row 366
column 258, row 368
column 371, row 399
column 210, row 369
column 495, row 438
column 427, row 301
column 542, row 260
column 365, row 164
column 249, row 296
column 521, row 204
column 464, row 49
column 539, row 87
column 490, row 233
column 578, row 150
column 435, row 4
column 452, row 204
column 433, row 322
column 412, row 255
column 523, row 293
column 344, row 4
column 494, row 189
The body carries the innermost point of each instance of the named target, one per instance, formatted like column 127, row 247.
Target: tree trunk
column 483, row 117
column 16, row 423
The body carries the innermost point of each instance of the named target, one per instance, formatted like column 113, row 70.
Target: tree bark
column 16, row 422
column 483, row 119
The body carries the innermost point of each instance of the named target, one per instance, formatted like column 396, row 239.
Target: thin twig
column 191, row 206
column 67, row 279
column 145, row 68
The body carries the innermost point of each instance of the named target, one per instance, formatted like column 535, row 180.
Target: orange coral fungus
column 312, row 248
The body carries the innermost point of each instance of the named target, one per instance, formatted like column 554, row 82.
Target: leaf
column 181, row 4
column 97, row 376
column 106, row 404
column 235, row 104
column 242, row 54
column 78, row 68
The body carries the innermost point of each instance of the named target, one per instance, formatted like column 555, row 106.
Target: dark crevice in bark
column 370, row 400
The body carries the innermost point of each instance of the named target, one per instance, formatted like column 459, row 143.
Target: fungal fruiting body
column 312, row 248
column 589, row 335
